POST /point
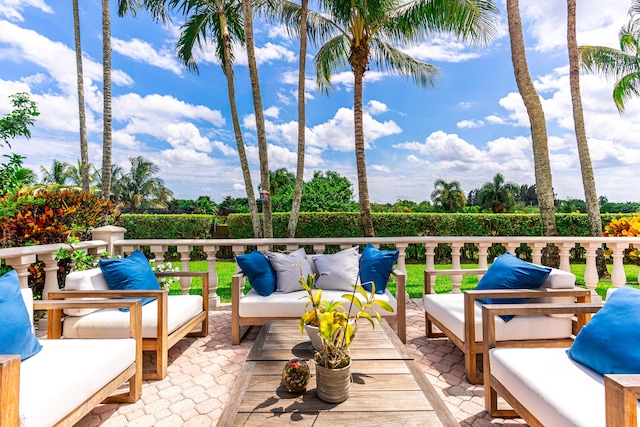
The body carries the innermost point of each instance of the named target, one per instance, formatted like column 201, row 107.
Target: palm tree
column 448, row 195
column 278, row 179
column 259, row 114
column 221, row 19
column 588, row 180
column 622, row 65
column 141, row 185
column 536, row 119
column 106, row 104
column 364, row 32
column 84, row 150
column 58, row 174
column 498, row 195
column 75, row 174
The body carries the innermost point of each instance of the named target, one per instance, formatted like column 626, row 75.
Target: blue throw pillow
column 261, row 276
column 376, row 266
column 130, row 273
column 16, row 334
column 608, row 344
column 510, row 272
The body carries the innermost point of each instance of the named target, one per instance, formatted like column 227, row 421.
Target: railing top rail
column 47, row 249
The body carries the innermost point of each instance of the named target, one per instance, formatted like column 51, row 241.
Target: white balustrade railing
column 112, row 240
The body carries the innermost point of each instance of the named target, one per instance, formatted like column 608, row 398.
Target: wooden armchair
column 164, row 322
column 82, row 372
column 553, row 389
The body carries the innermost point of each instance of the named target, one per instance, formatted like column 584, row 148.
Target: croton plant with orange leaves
column 625, row 227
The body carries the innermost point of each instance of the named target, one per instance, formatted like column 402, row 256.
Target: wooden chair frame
column 164, row 340
column 471, row 348
column 111, row 392
column 621, row 391
column 240, row 325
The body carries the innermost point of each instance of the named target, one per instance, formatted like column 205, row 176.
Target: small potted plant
column 336, row 329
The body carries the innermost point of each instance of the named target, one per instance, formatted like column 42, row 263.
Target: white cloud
column 12, row 9
column 272, row 111
column 374, row 107
column 470, row 124
column 142, row 51
column 441, row 49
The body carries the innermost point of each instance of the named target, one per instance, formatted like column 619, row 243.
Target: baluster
column 430, row 256
column 591, row 270
column 618, row 276
column 536, row 252
column 21, row 265
column 483, row 253
column 456, row 279
column 214, row 298
column 565, row 255
column 319, row 249
column 51, row 274
column 158, row 253
column 185, row 282
column 402, row 247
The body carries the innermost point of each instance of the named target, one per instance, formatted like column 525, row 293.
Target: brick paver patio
column 202, row 373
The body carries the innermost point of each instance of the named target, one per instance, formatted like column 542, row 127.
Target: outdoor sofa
column 165, row 320
column 596, row 382
column 335, row 275
column 459, row 316
column 66, row 378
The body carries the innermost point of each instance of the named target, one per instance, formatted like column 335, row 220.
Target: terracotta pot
column 332, row 385
column 314, row 336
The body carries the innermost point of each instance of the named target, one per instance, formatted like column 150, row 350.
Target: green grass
column 415, row 279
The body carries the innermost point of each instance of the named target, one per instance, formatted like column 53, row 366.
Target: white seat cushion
column 113, row 323
column 557, row 390
column 449, row 310
column 293, row 304
column 65, row 373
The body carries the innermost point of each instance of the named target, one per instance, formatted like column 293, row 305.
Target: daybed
column 288, row 303
column 67, row 378
column 458, row 317
column 180, row 315
column 548, row 387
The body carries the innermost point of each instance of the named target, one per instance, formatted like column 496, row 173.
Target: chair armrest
column 237, row 289
column 9, row 389
column 401, row 284
column 203, row 274
column 621, row 397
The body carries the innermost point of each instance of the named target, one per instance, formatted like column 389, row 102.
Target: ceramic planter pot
column 314, row 336
column 332, row 385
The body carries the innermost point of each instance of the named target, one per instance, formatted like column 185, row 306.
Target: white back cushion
column 87, row 280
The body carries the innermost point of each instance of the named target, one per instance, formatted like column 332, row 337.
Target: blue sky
column 472, row 126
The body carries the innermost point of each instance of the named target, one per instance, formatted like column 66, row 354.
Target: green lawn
column 415, row 279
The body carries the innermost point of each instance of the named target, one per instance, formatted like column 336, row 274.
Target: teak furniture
column 179, row 316
column 388, row 387
column 65, row 380
column 565, row 390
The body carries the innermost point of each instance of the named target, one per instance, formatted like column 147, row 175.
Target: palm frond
column 387, row 57
column 630, row 38
column 625, row 89
column 607, row 61
column 472, row 20
column 331, row 57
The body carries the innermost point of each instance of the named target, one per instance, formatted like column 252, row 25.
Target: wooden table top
column 388, row 387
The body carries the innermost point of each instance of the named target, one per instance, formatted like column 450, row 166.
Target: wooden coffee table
column 388, row 387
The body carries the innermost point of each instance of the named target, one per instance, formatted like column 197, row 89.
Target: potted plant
column 336, row 329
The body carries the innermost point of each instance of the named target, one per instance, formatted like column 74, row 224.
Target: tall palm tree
column 263, row 154
column 498, row 195
column 106, row 102
column 221, row 19
column 58, row 174
column 142, row 185
column 536, row 119
column 365, row 32
column 588, row 180
column 448, row 195
column 84, row 150
column 622, row 65
column 75, row 174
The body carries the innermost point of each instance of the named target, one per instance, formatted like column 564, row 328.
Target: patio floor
column 202, row 373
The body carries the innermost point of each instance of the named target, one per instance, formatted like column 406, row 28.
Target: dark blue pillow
column 16, row 334
column 130, row 273
column 608, row 344
column 257, row 268
column 510, row 272
column 376, row 266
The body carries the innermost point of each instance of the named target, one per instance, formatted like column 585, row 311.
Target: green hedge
column 160, row 226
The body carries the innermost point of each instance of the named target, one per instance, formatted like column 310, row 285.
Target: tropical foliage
column 14, row 176
column 498, row 195
column 448, row 196
column 17, row 122
column 626, row 227
column 621, row 65
column 141, row 187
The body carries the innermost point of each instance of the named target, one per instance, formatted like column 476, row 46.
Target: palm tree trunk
column 588, row 180
column 358, row 60
column 106, row 115
column 257, row 105
column 84, row 150
column 297, row 192
column 536, row 119
column 244, row 164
